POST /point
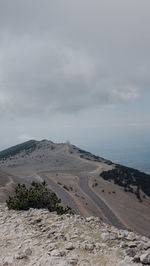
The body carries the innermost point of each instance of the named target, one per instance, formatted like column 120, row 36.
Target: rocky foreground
column 38, row 237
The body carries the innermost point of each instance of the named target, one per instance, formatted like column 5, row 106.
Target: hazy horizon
column 78, row 71
column 131, row 155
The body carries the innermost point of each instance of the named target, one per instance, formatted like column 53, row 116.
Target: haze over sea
column 138, row 158
column 78, row 71
column 131, row 148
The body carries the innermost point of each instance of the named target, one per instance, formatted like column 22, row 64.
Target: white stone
column 105, row 236
column 132, row 244
column 145, row 258
column 131, row 236
column 71, row 242
column 28, row 252
column 123, row 244
column 147, row 245
column 89, row 247
column 70, row 246
column 72, row 261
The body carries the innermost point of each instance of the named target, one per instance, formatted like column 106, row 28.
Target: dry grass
column 125, row 205
column 86, row 206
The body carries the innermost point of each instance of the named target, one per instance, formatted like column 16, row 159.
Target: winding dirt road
column 61, row 193
column 83, row 184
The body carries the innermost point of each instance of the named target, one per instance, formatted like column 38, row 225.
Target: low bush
column 37, row 196
column 130, row 179
column 65, row 187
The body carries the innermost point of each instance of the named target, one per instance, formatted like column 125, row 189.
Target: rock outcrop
column 38, row 237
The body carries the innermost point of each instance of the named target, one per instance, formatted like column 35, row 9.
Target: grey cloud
column 65, row 56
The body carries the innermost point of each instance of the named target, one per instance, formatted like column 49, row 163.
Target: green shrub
column 130, row 179
column 37, row 196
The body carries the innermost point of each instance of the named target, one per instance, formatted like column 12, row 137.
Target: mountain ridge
column 61, row 164
column 38, row 237
column 30, row 145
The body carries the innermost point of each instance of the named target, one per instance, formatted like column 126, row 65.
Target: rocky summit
column 38, row 237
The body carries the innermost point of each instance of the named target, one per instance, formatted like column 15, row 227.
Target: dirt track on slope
column 61, row 193
column 83, row 184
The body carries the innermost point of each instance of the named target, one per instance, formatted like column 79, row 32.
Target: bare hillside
column 38, row 237
column 90, row 184
column 45, row 155
column 6, row 185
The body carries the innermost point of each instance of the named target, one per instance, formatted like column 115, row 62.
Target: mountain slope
column 120, row 188
column 24, row 159
column 38, row 237
column 131, row 179
column 6, row 185
column 27, row 146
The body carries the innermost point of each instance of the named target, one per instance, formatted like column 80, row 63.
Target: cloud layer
column 67, row 56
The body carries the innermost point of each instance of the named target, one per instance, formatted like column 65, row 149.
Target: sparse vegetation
column 130, row 179
column 37, row 196
column 65, row 187
column 95, row 184
column 129, row 230
column 27, row 146
column 89, row 156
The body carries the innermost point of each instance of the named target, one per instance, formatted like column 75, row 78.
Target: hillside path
column 63, row 195
column 83, row 183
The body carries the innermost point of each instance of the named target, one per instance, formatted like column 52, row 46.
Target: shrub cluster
column 27, row 146
column 131, row 179
column 37, row 196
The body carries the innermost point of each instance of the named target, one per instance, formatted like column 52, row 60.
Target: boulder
column 105, row 236
column 145, row 258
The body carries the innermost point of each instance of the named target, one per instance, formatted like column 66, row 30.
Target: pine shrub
column 36, row 196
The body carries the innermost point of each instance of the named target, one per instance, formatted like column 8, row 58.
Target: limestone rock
column 89, row 247
column 72, row 261
column 145, row 258
column 129, row 252
column 136, row 258
column 70, row 246
column 105, row 236
column 132, row 244
column 38, row 237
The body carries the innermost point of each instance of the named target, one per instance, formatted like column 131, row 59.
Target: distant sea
column 137, row 157
column 140, row 161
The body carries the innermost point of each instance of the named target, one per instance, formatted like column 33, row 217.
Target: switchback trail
column 83, row 183
column 66, row 199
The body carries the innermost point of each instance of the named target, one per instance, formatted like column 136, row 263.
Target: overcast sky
column 75, row 70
